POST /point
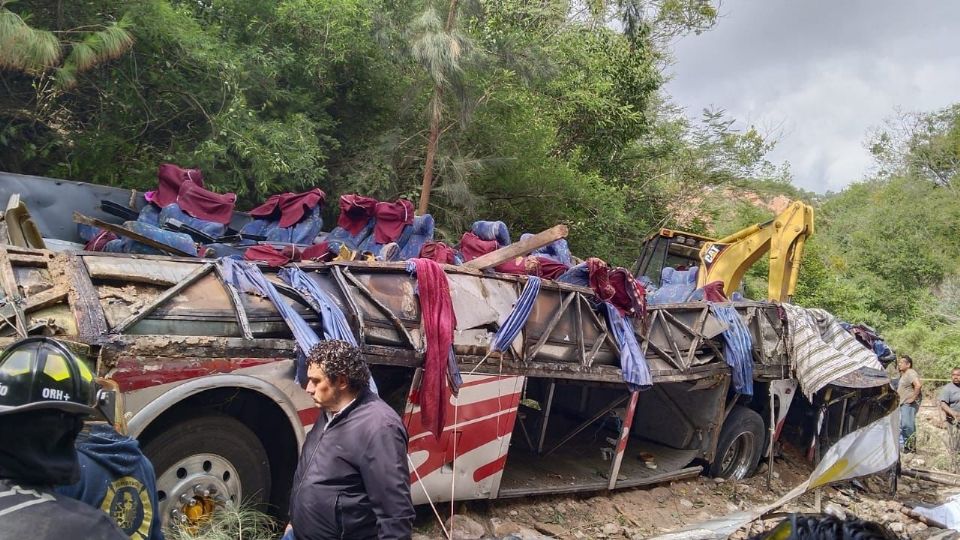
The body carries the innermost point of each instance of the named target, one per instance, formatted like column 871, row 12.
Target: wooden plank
column 37, row 301
column 518, row 249
column 168, row 294
column 30, row 259
column 123, row 231
column 163, row 272
column 84, row 300
column 45, row 298
column 11, row 291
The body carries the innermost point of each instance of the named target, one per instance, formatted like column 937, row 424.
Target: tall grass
column 229, row 522
column 931, row 442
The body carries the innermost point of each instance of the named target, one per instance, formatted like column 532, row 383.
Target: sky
column 818, row 75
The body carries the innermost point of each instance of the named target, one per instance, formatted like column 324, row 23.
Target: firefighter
column 45, row 395
column 117, row 478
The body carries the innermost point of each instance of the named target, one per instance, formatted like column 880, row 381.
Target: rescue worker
column 117, row 478
column 352, row 480
column 45, row 395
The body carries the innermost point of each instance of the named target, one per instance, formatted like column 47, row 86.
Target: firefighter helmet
column 42, row 373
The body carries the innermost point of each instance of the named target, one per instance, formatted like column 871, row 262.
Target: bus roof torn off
column 549, row 414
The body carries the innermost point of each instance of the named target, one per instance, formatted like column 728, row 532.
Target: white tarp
column 947, row 513
column 868, row 450
column 821, row 350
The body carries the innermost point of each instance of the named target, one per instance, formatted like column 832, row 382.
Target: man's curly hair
column 339, row 358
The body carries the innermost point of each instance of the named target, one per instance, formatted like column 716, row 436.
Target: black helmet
column 41, row 373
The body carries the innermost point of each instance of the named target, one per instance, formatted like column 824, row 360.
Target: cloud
column 820, row 75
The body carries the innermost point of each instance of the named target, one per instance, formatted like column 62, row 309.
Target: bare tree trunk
column 435, row 117
column 431, row 151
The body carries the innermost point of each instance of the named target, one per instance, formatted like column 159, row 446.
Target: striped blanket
column 822, row 351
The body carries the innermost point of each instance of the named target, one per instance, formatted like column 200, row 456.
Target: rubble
column 463, row 527
column 643, row 513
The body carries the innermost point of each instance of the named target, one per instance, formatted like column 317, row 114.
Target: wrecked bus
column 207, row 372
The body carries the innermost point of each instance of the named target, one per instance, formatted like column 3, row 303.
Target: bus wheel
column 739, row 446
column 204, row 463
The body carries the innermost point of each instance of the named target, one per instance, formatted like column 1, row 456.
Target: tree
column 35, row 51
column 923, row 144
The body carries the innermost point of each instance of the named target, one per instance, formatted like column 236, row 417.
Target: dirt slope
column 643, row 513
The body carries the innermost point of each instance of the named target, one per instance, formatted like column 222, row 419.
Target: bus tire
column 739, row 446
column 213, row 457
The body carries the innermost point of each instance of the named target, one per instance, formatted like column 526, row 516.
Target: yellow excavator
column 729, row 258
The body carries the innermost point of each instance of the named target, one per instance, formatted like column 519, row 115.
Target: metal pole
column 773, row 426
column 622, row 441
column 546, row 417
column 614, row 404
column 816, row 453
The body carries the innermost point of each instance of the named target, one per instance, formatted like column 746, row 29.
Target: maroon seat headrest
column 391, row 219
column 204, row 204
column 355, row 212
column 289, row 207
column 169, row 179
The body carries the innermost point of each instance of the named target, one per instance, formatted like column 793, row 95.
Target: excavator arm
column 784, row 236
column 729, row 258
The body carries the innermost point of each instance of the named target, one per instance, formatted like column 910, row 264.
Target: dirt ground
column 646, row 512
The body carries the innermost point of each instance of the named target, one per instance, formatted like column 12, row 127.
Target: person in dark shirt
column 352, row 480
column 45, row 394
column 950, row 407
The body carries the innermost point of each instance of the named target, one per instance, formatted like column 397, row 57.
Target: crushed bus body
column 207, row 372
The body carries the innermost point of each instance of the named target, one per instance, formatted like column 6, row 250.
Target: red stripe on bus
column 490, row 469
column 136, row 373
column 309, row 416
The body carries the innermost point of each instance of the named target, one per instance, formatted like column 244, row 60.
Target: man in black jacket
column 45, row 394
column 352, row 480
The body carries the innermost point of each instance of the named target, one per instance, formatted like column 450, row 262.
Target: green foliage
column 921, row 145
column 547, row 117
column 601, row 97
column 25, row 48
column 547, row 112
column 229, row 522
column 35, row 51
column 97, row 47
column 893, row 239
column 934, row 347
column 887, row 251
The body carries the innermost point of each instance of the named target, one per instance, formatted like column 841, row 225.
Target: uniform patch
column 128, row 505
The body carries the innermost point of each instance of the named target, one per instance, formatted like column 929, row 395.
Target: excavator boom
column 728, row 259
column 783, row 237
